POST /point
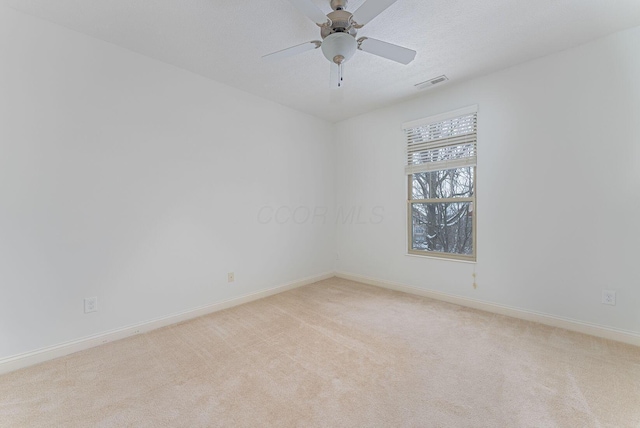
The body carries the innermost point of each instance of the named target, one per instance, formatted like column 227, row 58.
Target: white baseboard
column 629, row 337
column 45, row 354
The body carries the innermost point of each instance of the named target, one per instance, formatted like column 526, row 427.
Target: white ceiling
column 224, row 40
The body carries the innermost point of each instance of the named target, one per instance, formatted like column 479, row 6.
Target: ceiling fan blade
column 369, row 10
column 293, row 50
column 386, row 50
column 309, row 9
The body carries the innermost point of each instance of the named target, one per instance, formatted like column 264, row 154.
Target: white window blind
column 445, row 141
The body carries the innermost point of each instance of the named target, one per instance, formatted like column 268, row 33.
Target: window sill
column 446, row 259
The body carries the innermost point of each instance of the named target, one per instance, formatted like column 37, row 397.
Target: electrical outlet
column 90, row 304
column 609, row 297
column 231, row 277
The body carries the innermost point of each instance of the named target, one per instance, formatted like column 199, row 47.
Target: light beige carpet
column 336, row 354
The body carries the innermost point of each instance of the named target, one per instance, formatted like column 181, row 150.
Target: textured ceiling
column 224, row 40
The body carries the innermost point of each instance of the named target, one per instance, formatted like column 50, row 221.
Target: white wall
column 128, row 179
column 558, row 186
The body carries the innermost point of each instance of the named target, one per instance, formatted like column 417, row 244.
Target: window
column 441, row 171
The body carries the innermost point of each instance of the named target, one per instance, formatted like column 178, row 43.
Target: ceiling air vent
column 429, row 83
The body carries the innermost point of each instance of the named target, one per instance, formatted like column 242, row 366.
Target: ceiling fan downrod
column 338, row 4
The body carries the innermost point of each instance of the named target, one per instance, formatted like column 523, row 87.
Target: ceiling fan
column 339, row 29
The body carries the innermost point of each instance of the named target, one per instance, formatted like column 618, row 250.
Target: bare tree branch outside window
column 443, row 226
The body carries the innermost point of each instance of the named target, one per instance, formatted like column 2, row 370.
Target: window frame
column 410, row 127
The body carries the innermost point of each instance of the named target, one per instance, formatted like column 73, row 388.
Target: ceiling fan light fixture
column 339, row 47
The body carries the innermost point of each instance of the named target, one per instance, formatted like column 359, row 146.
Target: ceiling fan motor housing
column 340, row 23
